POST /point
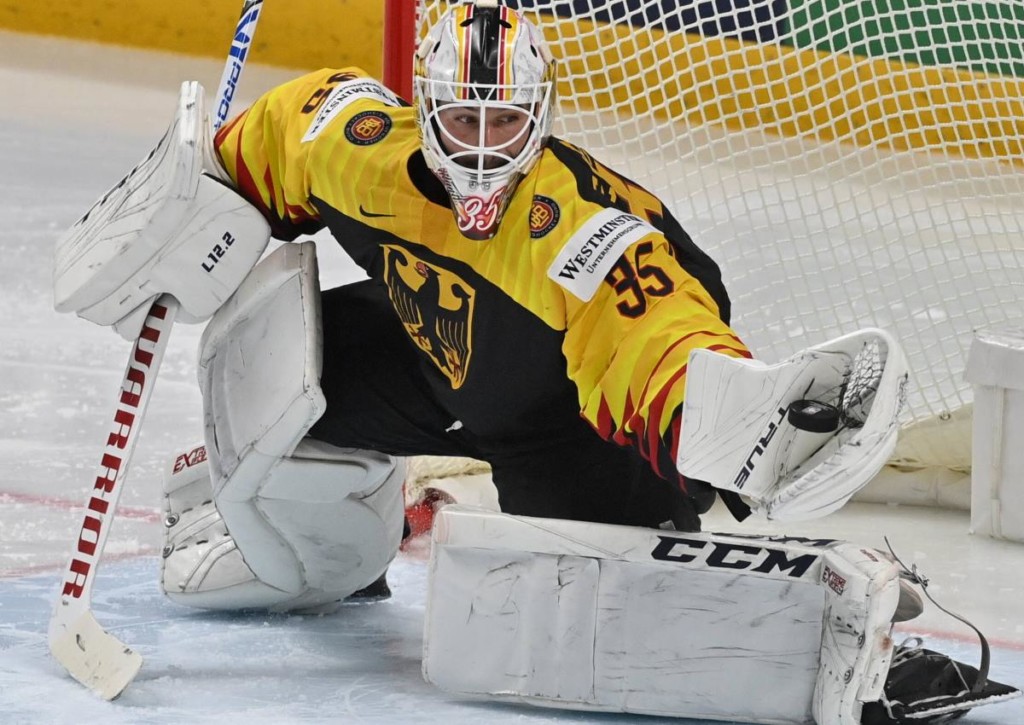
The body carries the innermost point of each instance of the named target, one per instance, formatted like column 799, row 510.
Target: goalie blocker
column 609, row 618
column 171, row 226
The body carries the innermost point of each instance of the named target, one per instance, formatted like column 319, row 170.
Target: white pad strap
column 169, row 227
column 744, row 429
column 622, row 619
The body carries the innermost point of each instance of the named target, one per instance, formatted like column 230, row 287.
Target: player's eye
column 509, row 119
column 463, row 119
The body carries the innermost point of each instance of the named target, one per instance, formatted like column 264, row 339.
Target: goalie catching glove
column 799, row 438
column 171, row 226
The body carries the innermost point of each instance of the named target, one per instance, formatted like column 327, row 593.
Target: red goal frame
column 399, row 45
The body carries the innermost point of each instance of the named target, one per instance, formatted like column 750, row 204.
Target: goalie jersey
column 587, row 301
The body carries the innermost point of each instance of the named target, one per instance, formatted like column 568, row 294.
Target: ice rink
column 74, row 118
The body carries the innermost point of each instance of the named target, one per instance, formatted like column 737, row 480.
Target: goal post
column 400, row 26
column 848, row 163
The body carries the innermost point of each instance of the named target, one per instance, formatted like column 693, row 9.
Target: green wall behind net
column 982, row 36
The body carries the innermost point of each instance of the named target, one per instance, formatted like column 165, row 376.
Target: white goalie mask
column 484, row 91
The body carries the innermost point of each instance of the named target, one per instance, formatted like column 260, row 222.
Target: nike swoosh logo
column 371, row 214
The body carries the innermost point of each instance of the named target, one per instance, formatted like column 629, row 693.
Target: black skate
column 925, row 686
column 377, row 591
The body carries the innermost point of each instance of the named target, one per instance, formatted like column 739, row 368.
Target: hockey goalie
column 527, row 306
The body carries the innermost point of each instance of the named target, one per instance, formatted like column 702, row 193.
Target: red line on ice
column 129, row 512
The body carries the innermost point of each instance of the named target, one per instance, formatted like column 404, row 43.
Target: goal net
column 848, row 163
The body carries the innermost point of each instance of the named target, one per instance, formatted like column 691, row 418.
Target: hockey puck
column 813, row 416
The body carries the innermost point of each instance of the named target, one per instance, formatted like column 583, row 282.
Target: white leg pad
column 620, row 619
column 325, row 524
column 309, row 523
column 201, row 563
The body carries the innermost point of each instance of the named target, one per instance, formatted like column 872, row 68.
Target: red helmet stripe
column 467, row 54
column 502, row 54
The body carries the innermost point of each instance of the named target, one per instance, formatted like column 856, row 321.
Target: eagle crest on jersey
column 435, row 306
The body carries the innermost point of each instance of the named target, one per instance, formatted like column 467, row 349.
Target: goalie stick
column 89, row 653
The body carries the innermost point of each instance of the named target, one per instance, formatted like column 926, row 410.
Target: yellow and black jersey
column 589, row 297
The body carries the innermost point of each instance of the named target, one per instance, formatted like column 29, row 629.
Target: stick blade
column 93, row 656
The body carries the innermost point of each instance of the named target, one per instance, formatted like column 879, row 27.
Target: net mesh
column 861, row 385
column 848, row 164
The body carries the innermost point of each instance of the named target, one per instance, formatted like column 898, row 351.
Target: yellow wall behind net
column 788, row 91
column 292, row 33
column 791, row 91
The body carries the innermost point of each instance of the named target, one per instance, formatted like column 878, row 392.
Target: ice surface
column 73, row 119
column 361, row 664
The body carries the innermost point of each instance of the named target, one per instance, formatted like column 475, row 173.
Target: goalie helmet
column 484, row 91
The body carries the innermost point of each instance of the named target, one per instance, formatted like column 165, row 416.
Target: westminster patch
column 589, row 254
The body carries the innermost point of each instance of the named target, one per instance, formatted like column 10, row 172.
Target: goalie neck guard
column 484, row 90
